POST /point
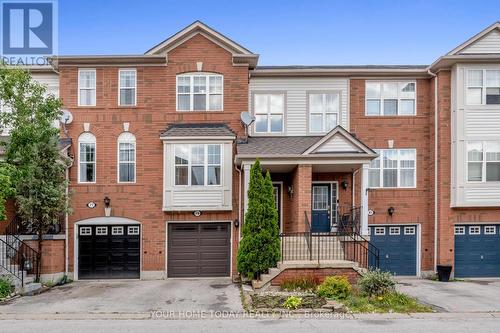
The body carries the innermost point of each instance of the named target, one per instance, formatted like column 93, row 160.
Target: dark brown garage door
column 199, row 249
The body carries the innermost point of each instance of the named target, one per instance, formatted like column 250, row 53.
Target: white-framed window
column 86, row 87
column 269, row 110
column 198, row 164
column 459, row 230
column 391, row 98
column 323, row 111
column 490, row 230
column 475, row 230
column 483, row 87
column 394, row 230
column 393, row 168
column 409, row 230
column 126, row 158
column 483, row 161
column 380, row 231
column 85, row 231
column 133, row 230
column 200, row 92
column 117, row 230
column 127, row 90
column 101, row 231
column 87, row 158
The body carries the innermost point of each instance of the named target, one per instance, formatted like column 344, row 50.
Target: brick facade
column 319, row 273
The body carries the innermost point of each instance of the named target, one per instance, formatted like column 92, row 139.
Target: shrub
column 5, row 287
column 292, row 303
column 376, row 283
column 337, row 287
column 304, row 283
column 390, row 302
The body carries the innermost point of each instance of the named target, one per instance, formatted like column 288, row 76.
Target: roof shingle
column 202, row 129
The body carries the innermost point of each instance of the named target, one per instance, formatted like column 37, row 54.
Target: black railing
column 19, row 227
column 346, row 243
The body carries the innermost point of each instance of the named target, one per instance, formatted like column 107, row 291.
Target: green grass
column 390, row 302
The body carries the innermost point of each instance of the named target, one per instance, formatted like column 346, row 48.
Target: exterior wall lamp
column 107, row 209
column 344, row 184
column 290, row 191
column 390, row 210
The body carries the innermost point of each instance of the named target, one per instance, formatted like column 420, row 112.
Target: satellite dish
column 247, row 119
column 66, row 117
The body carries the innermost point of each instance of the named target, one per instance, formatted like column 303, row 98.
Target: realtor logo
column 28, row 28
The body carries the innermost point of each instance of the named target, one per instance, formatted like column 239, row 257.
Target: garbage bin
column 444, row 272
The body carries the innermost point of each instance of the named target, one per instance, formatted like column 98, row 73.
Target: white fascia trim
column 198, row 138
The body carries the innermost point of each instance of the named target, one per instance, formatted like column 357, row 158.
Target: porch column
column 364, row 199
column 246, row 183
column 302, row 196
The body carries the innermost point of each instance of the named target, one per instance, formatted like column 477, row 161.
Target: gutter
column 436, row 156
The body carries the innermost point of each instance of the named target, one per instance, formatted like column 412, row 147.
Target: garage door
column 398, row 248
column 477, row 251
column 109, row 252
column 199, row 249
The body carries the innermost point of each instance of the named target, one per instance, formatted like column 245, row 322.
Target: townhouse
column 410, row 154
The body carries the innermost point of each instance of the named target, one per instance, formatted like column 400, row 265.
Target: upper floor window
column 198, row 164
column 86, row 87
column 127, row 87
column 87, row 158
column 199, row 92
column 483, row 161
column 269, row 113
column 393, row 168
column 323, row 111
column 126, row 158
column 390, row 98
column 483, row 87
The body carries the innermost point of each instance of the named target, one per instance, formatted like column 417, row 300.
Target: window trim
column 133, row 230
column 323, row 113
column 120, row 87
column 377, row 233
column 483, row 87
column 94, row 141
column 399, row 99
column 207, row 76
column 80, row 88
column 459, row 230
column 473, row 227
column 486, row 232
column 398, row 170
column 410, row 230
column 102, row 228
column 394, row 231
column 85, row 231
column 483, row 162
column 283, row 93
column 117, row 230
column 206, row 165
column 129, row 138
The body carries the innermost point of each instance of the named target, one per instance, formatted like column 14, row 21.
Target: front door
column 321, row 207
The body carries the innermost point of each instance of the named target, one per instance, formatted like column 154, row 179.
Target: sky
column 314, row 32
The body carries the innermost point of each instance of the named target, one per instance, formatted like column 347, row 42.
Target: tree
column 260, row 244
column 6, row 187
column 32, row 151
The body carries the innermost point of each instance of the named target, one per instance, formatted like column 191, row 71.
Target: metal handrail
column 7, row 253
column 308, row 234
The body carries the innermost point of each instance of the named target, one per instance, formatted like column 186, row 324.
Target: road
column 473, row 324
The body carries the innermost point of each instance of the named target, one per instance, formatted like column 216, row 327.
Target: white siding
column 488, row 44
column 191, row 198
column 471, row 123
column 296, row 89
column 337, row 144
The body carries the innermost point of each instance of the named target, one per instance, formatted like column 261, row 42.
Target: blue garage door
column 398, row 248
column 477, row 251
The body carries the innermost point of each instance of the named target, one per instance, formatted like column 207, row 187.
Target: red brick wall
column 155, row 109
column 52, row 255
column 301, row 200
column 411, row 205
column 320, row 273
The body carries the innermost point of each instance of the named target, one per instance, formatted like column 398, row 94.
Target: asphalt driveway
column 477, row 295
column 176, row 295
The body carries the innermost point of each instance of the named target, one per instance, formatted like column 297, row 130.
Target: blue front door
column 321, row 206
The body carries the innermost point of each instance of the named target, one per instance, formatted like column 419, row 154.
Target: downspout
column 239, row 201
column 353, row 182
column 436, row 156
column 66, row 233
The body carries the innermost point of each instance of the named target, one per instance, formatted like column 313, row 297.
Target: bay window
column 483, row 161
column 127, row 87
column 86, row 87
column 87, row 158
column 269, row 113
column 483, row 87
column 323, row 111
column 390, row 98
column 199, row 92
column 394, row 168
column 198, row 164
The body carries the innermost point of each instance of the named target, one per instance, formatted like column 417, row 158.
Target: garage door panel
column 201, row 249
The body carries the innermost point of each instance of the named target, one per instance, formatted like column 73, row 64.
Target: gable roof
column 462, row 48
column 241, row 55
column 338, row 140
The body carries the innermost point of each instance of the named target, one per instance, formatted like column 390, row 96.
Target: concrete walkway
column 477, row 295
column 175, row 295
